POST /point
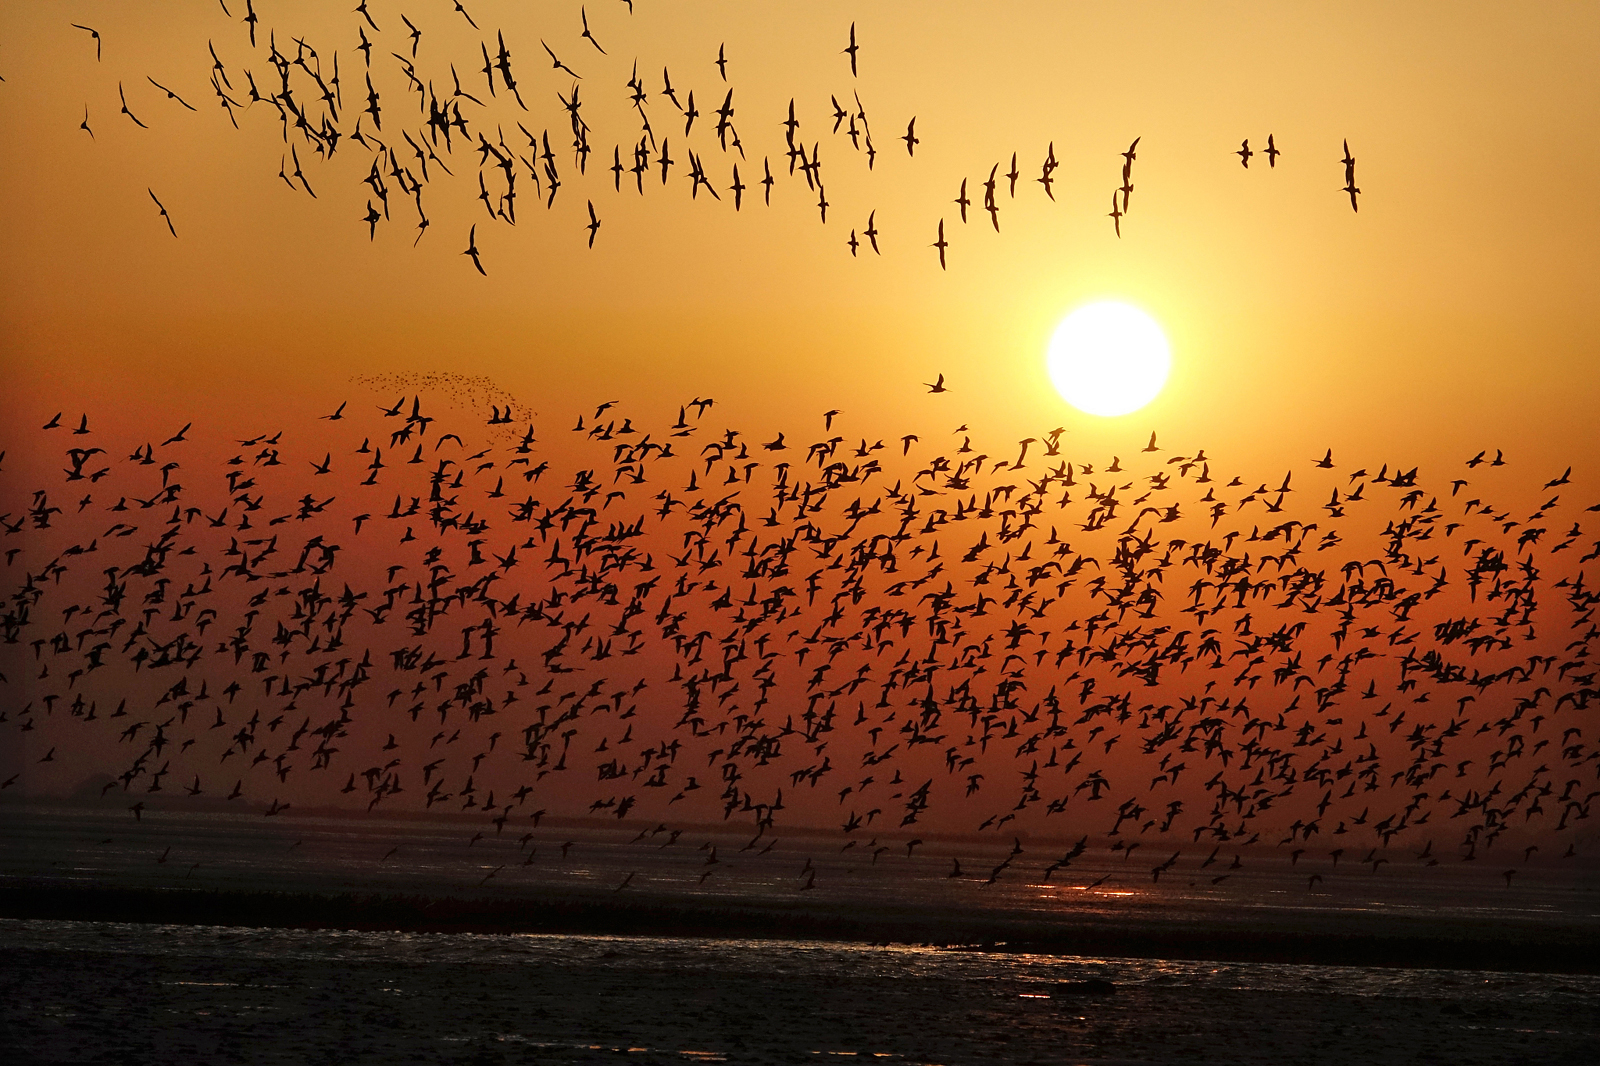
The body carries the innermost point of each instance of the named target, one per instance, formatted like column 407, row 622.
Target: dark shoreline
column 1535, row 948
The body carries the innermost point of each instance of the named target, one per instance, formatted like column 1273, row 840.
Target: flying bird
column 165, row 217
column 558, row 65
column 583, row 13
column 125, row 111
column 170, row 94
column 92, row 33
column 472, row 249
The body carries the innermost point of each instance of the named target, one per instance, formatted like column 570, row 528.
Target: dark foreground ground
column 141, row 994
column 1437, row 941
column 227, row 939
column 316, row 872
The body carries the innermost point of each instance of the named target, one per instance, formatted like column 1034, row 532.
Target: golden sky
column 1451, row 313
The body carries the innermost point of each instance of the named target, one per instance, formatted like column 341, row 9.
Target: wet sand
column 1370, row 941
column 193, row 938
column 315, row 872
column 137, row 995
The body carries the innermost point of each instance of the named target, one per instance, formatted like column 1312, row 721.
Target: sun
column 1108, row 358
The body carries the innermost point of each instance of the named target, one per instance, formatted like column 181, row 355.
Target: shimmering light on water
column 584, row 999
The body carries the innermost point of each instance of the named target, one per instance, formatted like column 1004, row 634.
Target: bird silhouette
column 123, row 97
column 92, row 33
column 170, row 94
column 583, row 14
column 164, row 216
column 472, row 249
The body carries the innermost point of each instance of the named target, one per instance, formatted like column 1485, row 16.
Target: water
column 225, row 850
column 129, row 993
column 74, row 991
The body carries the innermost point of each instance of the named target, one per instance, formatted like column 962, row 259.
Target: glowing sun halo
column 1108, row 358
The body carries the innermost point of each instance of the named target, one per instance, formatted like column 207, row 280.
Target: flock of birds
column 429, row 602
column 669, row 623
column 412, row 151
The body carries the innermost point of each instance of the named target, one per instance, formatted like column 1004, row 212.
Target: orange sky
column 1448, row 314
column 1451, row 314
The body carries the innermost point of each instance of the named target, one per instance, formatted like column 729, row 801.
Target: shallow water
column 91, row 992
column 229, row 850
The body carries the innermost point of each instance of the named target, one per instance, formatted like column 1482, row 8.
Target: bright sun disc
column 1108, row 358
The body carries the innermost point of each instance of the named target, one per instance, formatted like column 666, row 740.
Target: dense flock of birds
column 426, row 603
column 434, row 113
column 431, row 603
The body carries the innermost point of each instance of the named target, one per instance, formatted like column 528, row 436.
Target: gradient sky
column 1452, row 314
column 1449, row 314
